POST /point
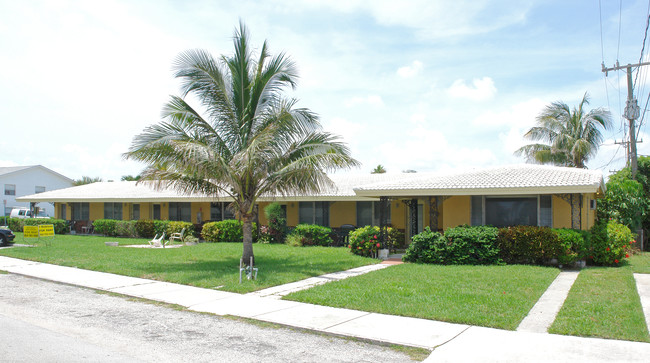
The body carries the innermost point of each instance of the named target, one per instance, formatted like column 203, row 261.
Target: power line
column 620, row 14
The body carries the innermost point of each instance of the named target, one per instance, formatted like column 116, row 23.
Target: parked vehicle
column 6, row 236
column 22, row 212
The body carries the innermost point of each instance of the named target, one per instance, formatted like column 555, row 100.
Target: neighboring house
column 501, row 196
column 18, row 181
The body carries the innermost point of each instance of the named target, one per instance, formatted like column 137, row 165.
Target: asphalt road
column 42, row 321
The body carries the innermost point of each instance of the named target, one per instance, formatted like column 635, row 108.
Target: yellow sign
column 30, row 232
column 46, row 230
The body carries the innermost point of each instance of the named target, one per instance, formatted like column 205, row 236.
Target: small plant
column 610, row 243
column 277, row 228
column 364, row 241
column 573, row 246
column 312, row 235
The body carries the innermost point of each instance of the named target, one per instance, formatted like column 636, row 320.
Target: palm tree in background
column 244, row 140
column 566, row 137
column 378, row 170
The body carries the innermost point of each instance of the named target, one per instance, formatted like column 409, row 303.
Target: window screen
column 504, row 212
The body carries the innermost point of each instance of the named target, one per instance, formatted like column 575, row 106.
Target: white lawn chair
column 157, row 242
column 177, row 236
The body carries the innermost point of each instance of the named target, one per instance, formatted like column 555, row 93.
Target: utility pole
column 631, row 112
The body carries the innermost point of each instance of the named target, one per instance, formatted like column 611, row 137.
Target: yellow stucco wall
column 398, row 214
column 292, row 213
column 561, row 213
column 456, row 211
column 200, row 207
column 96, row 211
column 343, row 213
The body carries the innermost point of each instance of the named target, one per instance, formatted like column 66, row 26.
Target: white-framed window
column 368, row 214
column 80, row 211
column 135, row 212
column 314, row 213
column 505, row 211
column 39, row 189
column 10, row 189
column 113, row 210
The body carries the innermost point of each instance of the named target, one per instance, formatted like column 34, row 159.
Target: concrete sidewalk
column 449, row 342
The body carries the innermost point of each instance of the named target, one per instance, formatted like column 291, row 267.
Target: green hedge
column 528, row 245
column 363, row 241
column 17, row 224
column 145, row 228
column 610, row 243
column 462, row 245
column 573, row 245
column 106, row 227
column 311, row 235
column 229, row 230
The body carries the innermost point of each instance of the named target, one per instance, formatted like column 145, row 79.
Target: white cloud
column 410, row 70
column 370, row 100
column 481, row 89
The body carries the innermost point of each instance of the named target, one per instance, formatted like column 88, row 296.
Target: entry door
column 156, row 211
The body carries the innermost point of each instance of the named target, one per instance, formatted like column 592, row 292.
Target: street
column 45, row 321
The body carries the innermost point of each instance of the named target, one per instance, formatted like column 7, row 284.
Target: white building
column 18, row 181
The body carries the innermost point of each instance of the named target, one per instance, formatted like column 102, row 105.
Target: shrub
column 144, row 228
column 426, row 247
column 229, row 230
column 277, row 229
column 395, row 238
column 15, row 224
column 573, row 246
column 160, row 227
column 472, row 245
column 528, row 245
column 294, row 240
column 60, row 225
column 125, row 228
column 364, row 241
column 177, row 227
column 313, row 235
column 610, row 243
column 105, row 226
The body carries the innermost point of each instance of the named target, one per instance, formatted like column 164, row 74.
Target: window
column 63, row 211
column 113, row 211
column 156, row 211
column 10, row 189
column 368, row 213
column 314, row 213
column 221, row 211
column 80, row 211
column 180, row 211
column 38, row 189
column 135, row 212
column 512, row 211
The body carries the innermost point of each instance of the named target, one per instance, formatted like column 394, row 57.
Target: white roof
column 6, row 170
column 507, row 180
column 513, row 179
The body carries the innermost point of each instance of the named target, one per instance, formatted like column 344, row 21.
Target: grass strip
column 603, row 302
column 493, row 296
column 206, row 265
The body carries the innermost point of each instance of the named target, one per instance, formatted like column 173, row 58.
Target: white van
column 22, row 212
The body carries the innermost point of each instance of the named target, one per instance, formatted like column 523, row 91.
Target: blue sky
column 422, row 85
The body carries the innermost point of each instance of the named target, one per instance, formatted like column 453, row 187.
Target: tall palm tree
column 567, row 137
column 248, row 140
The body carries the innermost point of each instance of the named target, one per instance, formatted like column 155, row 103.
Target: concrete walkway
column 452, row 342
column 542, row 315
column 643, row 288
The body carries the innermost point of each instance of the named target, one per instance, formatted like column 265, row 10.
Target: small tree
column 624, row 200
column 86, row 180
column 378, row 170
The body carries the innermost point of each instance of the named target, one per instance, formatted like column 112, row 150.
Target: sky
column 430, row 85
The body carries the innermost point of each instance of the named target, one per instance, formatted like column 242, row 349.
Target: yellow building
column 501, row 196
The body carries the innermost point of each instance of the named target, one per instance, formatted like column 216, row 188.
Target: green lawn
column 603, row 302
column 494, row 296
column 205, row 265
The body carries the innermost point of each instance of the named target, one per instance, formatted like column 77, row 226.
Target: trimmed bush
column 610, row 243
column 177, row 227
column 15, row 224
column 573, row 246
column 105, row 226
column 313, row 235
column 229, row 230
column 472, row 245
column 160, row 227
column 528, row 245
column 364, row 241
column 426, row 247
column 144, row 228
column 125, row 229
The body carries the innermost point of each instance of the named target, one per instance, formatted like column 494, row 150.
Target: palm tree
column 86, row 180
column 378, row 170
column 568, row 137
column 249, row 140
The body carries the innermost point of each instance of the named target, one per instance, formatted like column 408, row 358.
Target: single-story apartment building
column 535, row 195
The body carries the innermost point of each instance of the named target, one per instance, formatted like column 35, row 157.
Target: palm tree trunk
column 247, row 230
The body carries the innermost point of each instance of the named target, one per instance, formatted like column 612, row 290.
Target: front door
column 156, row 211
